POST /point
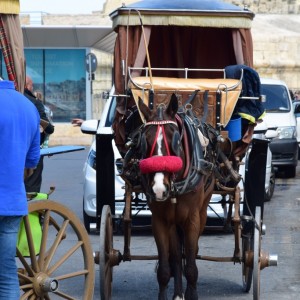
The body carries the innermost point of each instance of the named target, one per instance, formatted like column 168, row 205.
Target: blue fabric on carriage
column 249, row 109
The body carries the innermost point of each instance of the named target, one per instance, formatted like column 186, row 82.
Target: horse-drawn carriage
column 188, row 100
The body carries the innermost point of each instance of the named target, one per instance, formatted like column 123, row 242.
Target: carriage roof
column 194, row 34
column 184, row 13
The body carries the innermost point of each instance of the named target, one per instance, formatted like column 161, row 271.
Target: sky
column 61, row 6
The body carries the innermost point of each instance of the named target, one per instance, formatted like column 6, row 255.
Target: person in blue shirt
column 19, row 155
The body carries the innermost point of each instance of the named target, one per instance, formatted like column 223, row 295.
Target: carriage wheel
column 54, row 257
column 256, row 254
column 106, row 249
column 247, row 242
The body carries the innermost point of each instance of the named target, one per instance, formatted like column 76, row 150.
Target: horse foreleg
column 176, row 262
column 207, row 196
column 161, row 235
column 191, row 249
column 191, row 274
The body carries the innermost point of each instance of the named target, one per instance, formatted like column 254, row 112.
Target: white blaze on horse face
column 179, row 298
column 159, row 188
column 159, row 142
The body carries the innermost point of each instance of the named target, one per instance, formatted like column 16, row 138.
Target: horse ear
column 144, row 109
column 173, row 106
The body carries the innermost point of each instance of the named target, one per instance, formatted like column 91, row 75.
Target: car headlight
column 286, row 132
column 92, row 159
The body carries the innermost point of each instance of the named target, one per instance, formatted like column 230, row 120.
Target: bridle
column 160, row 125
column 167, row 163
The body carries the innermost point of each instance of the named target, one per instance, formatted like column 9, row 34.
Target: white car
column 139, row 208
column 280, row 119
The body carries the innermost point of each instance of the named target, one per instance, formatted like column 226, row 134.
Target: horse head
column 161, row 147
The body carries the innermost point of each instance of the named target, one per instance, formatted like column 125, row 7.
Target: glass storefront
column 60, row 75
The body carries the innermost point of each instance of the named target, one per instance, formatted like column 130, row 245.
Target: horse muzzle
column 160, row 187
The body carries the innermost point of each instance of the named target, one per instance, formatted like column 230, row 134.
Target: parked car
column 140, row 208
column 281, row 123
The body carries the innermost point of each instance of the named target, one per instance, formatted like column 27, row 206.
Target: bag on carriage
column 36, row 230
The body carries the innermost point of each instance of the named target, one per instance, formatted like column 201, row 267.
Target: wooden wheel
column 106, row 249
column 256, row 254
column 56, row 260
column 247, row 242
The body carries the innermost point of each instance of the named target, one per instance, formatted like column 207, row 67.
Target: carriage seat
column 222, row 94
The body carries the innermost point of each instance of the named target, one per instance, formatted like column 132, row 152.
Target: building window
column 60, row 75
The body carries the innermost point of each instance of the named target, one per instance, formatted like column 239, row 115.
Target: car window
column 111, row 112
column 277, row 99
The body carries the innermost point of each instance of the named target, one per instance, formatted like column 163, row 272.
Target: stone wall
column 257, row 6
column 270, row 6
column 276, row 40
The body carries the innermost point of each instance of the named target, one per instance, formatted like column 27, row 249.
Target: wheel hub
column 44, row 284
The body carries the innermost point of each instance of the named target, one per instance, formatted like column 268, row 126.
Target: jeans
column 9, row 282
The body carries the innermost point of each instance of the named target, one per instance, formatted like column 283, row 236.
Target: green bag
column 36, row 229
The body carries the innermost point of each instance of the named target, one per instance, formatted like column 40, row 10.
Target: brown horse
column 178, row 219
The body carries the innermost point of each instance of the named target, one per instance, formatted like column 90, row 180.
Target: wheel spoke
column 64, row 296
column 64, row 245
column 106, row 246
column 45, row 232
column 65, row 257
column 71, row 275
column 34, row 264
column 57, row 241
column 24, row 263
column 256, row 254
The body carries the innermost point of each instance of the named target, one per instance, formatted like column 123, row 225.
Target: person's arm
column 33, row 153
column 77, row 122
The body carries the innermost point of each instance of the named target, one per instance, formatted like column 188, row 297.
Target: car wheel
column 290, row 172
column 87, row 220
column 270, row 191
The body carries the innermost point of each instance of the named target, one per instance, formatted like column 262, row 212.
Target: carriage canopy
column 201, row 34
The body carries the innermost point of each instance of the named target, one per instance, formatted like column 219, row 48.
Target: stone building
column 275, row 32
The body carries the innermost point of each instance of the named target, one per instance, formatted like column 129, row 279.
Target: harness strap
column 191, row 98
column 154, row 143
column 165, row 140
column 160, row 126
column 186, row 148
column 205, row 102
column 218, row 108
column 193, row 176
